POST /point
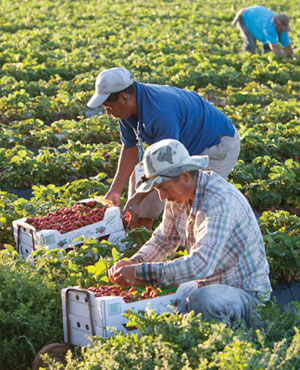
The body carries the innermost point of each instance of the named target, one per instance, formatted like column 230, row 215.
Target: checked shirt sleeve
column 207, row 256
column 164, row 241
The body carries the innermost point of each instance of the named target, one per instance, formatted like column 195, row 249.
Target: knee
column 251, row 47
column 201, row 301
column 222, row 303
column 204, row 301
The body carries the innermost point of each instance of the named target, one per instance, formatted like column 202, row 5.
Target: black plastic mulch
column 286, row 293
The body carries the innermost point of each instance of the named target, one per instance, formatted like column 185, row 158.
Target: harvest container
column 85, row 315
column 28, row 239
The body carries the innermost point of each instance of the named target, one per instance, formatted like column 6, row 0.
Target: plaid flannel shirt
column 221, row 235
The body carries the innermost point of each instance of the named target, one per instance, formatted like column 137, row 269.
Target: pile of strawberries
column 128, row 295
column 68, row 219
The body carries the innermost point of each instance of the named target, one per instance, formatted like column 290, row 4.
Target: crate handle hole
column 86, row 299
column 78, row 324
column 87, row 327
column 77, row 297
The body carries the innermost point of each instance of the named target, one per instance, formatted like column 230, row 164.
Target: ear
column 276, row 24
column 186, row 176
column 124, row 97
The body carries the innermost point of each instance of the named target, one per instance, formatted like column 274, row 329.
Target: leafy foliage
column 187, row 342
column 282, row 240
column 30, row 312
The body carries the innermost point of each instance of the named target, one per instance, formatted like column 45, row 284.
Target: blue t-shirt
column 167, row 112
column 260, row 22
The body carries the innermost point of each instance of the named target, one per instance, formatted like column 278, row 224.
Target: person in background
column 213, row 220
column 149, row 113
column 260, row 23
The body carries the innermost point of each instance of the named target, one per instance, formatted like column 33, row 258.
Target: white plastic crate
column 84, row 315
column 25, row 250
column 28, row 239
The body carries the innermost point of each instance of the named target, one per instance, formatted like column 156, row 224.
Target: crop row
column 34, row 133
column 265, row 131
column 63, row 104
column 21, row 168
column 263, row 181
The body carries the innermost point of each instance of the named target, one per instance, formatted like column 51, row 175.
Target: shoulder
column 221, row 197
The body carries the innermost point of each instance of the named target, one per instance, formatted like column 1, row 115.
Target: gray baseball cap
column 284, row 21
column 166, row 159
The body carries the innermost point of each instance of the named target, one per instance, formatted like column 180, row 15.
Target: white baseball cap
column 110, row 81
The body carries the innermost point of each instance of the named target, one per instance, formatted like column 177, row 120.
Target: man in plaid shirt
column 214, row 222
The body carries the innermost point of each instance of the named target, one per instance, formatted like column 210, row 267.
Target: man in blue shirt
column 149, row 113
column 260, row 23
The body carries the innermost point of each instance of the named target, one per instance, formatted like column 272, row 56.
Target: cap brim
column 195, row 163
column 150, row 184
column 97, row 100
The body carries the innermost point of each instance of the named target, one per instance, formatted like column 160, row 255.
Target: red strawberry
column 128, row 217
column 90, row 204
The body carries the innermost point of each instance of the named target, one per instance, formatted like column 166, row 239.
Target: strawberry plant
column 89, row 130
column 20, row 168
column 169, row 341
column 265, row 180
column 30, row 312
column 83, row 266
column 282, row 240
column 272, row 139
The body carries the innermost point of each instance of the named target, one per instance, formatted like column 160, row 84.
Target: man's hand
column 290, row 52
column 116, row 266
column 114, row 197
column 276, row 49
column 127, row 161
column 132, row 207
column 122, row 273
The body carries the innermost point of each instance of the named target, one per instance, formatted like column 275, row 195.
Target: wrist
column 137, row 277
column 115, row 189
column 133, row 261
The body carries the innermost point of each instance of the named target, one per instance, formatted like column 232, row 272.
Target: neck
column 134, row 107
column 136, row 113
column 193, row 189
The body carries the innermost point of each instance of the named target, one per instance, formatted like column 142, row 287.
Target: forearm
column 276, row 49
column 290, row 51
column 169, row 273
column 127, row 161
column 159, row 247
